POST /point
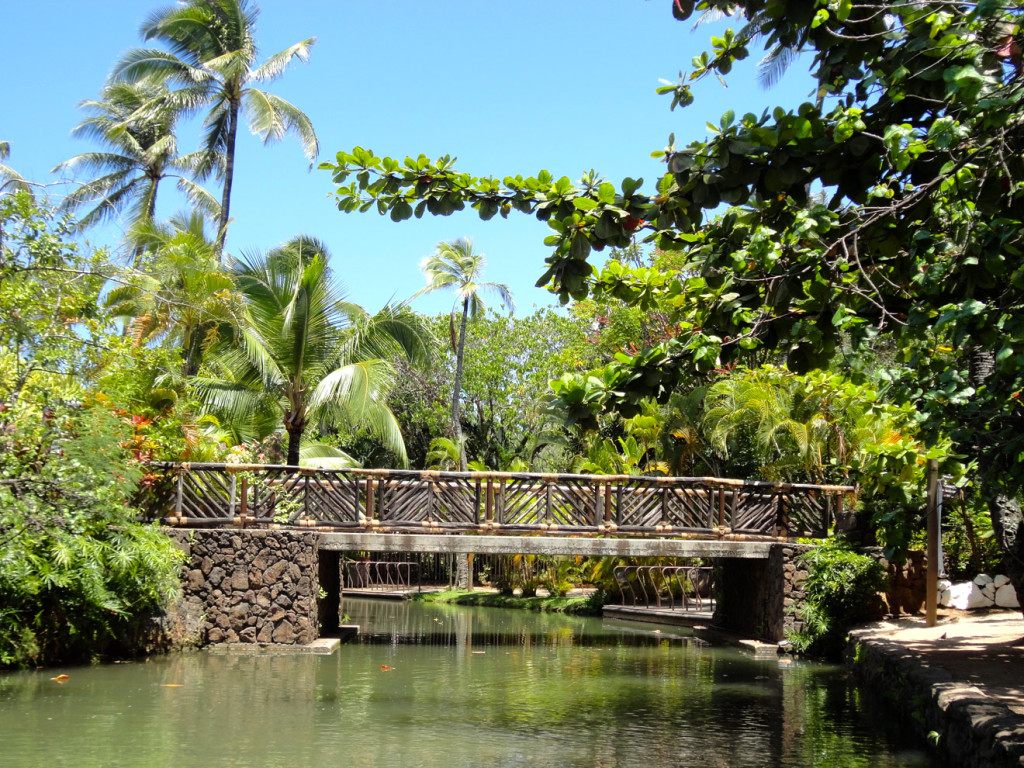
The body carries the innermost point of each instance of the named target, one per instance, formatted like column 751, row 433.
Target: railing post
column 305, row 498
column 547, row 501
column 489, row 509
column 782, row 518
column 721, row 507
column 369, row 499
column 177, row 496
column 245, row 500
column 231, row 500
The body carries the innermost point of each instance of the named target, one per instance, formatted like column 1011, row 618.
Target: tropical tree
column 454, row 266
column 212, row 59
column 183, row 297
column 305, row 356
column 136, row 122
column 10, row 179
column 917, row 244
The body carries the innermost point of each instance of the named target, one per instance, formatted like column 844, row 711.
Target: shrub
column 841, row 590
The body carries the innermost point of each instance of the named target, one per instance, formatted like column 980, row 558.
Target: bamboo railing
column 391, row 500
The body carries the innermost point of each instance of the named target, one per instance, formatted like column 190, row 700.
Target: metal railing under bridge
column 388, row 500
column 665, row 586
column 379, row 575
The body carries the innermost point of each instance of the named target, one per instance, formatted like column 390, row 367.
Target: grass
column 583, row 606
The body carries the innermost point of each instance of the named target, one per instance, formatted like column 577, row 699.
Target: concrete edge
column 972, row 728
column 322, row 646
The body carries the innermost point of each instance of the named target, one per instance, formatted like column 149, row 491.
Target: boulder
column 959, row 594
column 1006, row 597
column 978, row 598
column 1001, row 580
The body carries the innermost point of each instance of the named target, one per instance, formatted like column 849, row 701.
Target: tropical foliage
column 212, row 61
column 136, row 122
column 454, row 266
column 77, row 574
column 914, row 244
column 304, row 356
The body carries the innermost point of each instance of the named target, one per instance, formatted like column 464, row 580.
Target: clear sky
column 507, row 87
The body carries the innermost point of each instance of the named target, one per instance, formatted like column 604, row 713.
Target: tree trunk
column 1008, row 524
column 457, row 387
column 463, row 571
column 295, row 429
column 229, row 175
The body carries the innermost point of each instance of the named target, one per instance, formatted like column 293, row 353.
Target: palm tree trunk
column 295, row 425
column 229, row 175
column 460, row 354
column 294, row 440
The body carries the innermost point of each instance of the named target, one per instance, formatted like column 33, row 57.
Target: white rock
column 989, row 591
column 958, row 595
column 982, row 579
column 944, row 584
column 978, row 598
column 946, row 598
column 1001, row 580
column 1006, row 597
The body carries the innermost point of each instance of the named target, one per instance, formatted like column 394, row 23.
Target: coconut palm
column 306, row 356
column 212, row 60
column 10, row 179
column 454, row 266
column 135, row 121
column 183, row 297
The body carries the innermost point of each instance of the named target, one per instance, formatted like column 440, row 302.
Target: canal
column 433, row 685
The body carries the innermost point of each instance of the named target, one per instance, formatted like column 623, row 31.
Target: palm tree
column 183, row 297
column 304, row 355
column 212, row 57
column 456, row 267
column 10, row 179
column 136, row 122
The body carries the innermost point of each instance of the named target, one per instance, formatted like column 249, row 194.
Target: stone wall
column 762, row 598
column 251, row 586
column 974, row 730
column 908, row 581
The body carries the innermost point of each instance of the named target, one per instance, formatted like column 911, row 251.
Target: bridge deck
column 543, row 545
column 697, row 514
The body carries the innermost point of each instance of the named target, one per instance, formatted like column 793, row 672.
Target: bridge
column 263, row 543
column 387, row 510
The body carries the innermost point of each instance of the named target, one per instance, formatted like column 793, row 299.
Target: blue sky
column 506, row 87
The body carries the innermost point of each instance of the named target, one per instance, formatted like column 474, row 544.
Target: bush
column 78, row 576
column 842, row 589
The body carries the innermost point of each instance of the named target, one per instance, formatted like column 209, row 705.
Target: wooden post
column 369, row 498
column 177, row 494
column 721, row 507
column 489, row 511
column 932, row 594
column 245, row 498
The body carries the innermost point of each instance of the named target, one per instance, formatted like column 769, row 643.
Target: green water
column 466, row 687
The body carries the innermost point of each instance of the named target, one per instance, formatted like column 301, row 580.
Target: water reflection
column 435, row 685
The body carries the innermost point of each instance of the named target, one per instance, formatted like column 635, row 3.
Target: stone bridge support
column 761, row 598
column 252, row 586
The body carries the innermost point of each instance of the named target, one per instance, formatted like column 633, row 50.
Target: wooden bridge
column 404, row 510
